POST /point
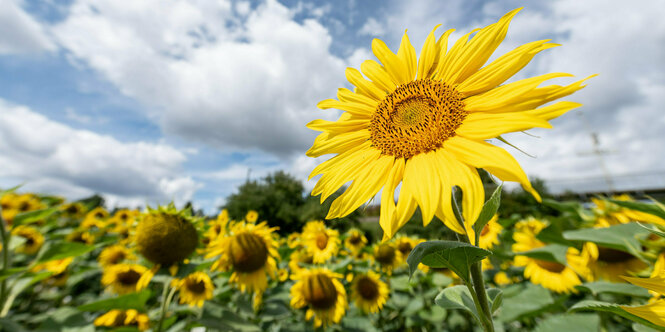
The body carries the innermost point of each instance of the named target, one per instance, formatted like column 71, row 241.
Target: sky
column 152, row 101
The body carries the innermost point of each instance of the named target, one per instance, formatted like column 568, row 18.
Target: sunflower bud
column 165, row 236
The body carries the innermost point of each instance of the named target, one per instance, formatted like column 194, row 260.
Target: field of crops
column 75, row 266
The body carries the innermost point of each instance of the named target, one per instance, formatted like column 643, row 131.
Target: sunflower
column 299, row 259
column 405, row 244
column 388, row 257
column 355, row 241
column 195, row 289
column 80, row 236
column 59, row 270
column 33, row 239
column 293, row 240
column 12, row 204
column 489, row 236
column 608, row 213
column 252, row 216
column 73, row 210
column 95, row 218
column 320, row 240
column 123, row 217
column 322, row 293
column 123, row 278
column 369, row 292
column 166, row 236
column 551, row 275
column 423, row 122
column 250, row 251
column 603, row 263
column 120, row 318
column 114, row 254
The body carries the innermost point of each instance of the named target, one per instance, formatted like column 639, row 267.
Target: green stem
column 166, row 298
column 487, row 325
column 6, row 260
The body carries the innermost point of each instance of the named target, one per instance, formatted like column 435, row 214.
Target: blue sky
column 153, row 101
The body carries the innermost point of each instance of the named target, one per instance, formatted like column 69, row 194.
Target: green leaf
column 10, row 190
column 590, row 305
column 525, row 303
column 400, row 283
column 224, row 320
column 619, row 237
column 458, row 297
column 457, row 256
column 652, row 229
column 570, row 207
column 60, row 250
column 487, row 213
column 9, row 325
column 598, row 287
column 34, row 216
column 649, row 208
column 550, row 253
column 569, row 323
column 129, row 301
column 10, row 272
column 435, row 314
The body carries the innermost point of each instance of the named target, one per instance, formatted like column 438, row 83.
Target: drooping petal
column 364, row 187
column 473, row 192
column 499, row 99
column 502, row 68
column 325, row 144
column 406, row 206
column 378, row 75
column 422, row 179
column 475, row 53
column 493, row 159
column 445, row 209
column 368, row 88
column 407, row 53
column 344, row 171
column 489, row 125
column 340, row 158
column 388, row 198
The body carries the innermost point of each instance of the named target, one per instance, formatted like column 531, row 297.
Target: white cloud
column 208, row 76
column 51, row 157
column 20, row 32
column 372, row 27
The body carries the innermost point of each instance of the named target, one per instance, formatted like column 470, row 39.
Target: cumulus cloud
column 51, row 157
column 20, row 32
column 233, row 82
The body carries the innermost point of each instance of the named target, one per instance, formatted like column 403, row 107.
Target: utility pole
column 599, row 153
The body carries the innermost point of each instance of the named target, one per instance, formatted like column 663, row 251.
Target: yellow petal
column 473, row 192
column 493, row 159
column 475, row 53
column 442, row 47
column 540, row 96
column 347, row 95
column 422, row 179
column 332, row 163
column 364, row 187
column 353, row 108
column 653, row 284
column 344, row 170
column 498, row 100
column 445, row 209
column 324, row 144
column 365, row 87
column 388, row 198
column 378, row 75
column 428, row 55
column 653, row 312
column 502, row 68
column 406, row 206
column 488, row 125
column 553, row 111
column 407, row 53
column 395, row 67
column 338, row 127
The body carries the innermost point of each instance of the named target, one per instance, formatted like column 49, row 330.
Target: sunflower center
column 485, row 230
column 354, row 240
column 24, row 206
column 320, row 292
column 129, row 277
column 608, row 255
column 119, row 319
column 72, row 209
column 118, row 257
column 321, row 240
column 29, row 241
column 405, row 247
column 385, row 255
column 196, row 286
column 550, row 266
column 248, row 252
column 367, row 288
column 416, row 118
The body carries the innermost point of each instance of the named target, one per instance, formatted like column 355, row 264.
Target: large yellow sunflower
column 322, row 293
column 489, row 236
column 602, row 263
column 321, row 241
column 250, row 251
column 551, row 275
column 369, row 292
column 423, row 123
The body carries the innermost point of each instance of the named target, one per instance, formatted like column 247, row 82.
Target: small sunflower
column 322, row 293
column 489, row 236
column 166, row 236
column 12, row 204
column 95, row 218
column 120, row 318
column 293, row 240
column 59, row 270
column 423, row 122
column 369, row 292
column 300, row 259
column 123, row 217
column 33, row 239
column 250, row 251
column 123, row 278
column 252, row 216
column 602, row 263
column 80, row 236
column 114, row 254
column 388, row 257
column 320, row 240
column 355, row 241
column 551, row 275
column 73, row 210
column 405, row 244
column 195, row 289
column 608, row 213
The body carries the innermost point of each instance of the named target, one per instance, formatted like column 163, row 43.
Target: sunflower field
column 75, row 266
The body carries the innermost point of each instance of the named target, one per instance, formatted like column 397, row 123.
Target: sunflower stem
column 166, row 298
column 6, row 260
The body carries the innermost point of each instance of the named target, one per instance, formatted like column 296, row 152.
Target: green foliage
column 457, row 256
column 591, row 305
column 129, row 301
column 459, row 297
